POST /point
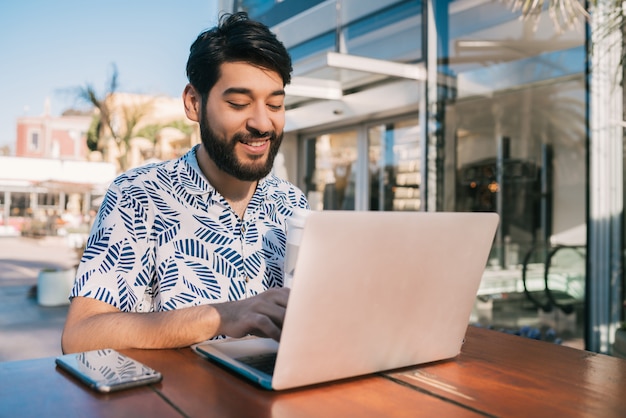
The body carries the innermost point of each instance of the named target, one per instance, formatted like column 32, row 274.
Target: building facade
column 37, row 194
column 54, row 173
column 460, row 105
column 49, row 176
column 49, row 136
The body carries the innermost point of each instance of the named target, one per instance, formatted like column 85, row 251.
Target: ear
column 192, row 102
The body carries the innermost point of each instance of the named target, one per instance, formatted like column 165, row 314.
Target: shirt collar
column 195, row 182
column 191, row 177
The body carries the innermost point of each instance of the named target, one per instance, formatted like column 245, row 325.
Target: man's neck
column 236, row 192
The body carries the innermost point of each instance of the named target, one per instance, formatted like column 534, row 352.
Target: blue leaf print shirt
column 165, row 239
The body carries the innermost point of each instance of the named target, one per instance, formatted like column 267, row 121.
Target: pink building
column 49, row 136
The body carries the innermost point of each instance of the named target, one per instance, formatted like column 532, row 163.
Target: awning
column 332, row 87
column 328, row 75
column 68, row 187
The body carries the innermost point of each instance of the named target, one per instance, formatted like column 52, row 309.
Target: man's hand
column 261, row 315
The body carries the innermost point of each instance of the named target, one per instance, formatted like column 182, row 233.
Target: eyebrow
column 248, row 92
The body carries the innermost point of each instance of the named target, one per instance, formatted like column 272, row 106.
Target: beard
column 222, row 152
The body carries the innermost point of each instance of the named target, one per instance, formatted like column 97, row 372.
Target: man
column 193, row 248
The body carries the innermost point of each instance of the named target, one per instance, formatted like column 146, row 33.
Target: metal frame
column 606, row 185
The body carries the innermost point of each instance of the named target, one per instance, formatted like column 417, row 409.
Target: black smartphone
column 108, row 370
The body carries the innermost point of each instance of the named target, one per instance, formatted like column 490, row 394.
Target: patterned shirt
column 164, row 239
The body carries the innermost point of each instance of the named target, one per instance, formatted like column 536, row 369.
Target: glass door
column 525, row 159
column 331, row 170
column 368, row 167
column 394, row 166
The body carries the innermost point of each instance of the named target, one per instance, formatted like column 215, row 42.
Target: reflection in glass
column 330, row 180
column 394, row 166
column 515, row 137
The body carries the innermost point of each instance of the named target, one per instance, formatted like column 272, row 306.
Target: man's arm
column 92, row 324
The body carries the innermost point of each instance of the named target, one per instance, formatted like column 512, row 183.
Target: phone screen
column 108, row 370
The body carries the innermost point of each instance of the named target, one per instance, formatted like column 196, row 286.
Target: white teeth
column 255, row 144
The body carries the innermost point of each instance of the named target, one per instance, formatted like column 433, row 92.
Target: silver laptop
column 372, row 291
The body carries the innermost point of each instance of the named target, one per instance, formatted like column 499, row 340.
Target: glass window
column 255, row 7
column 394, row 33
column 394, row 166
column 48, row 199
column 330, row 171
column 322, row 43
column 20, row 202
column 515, row 143
column 34, row 141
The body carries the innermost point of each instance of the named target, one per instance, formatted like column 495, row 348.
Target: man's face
column 242, row 126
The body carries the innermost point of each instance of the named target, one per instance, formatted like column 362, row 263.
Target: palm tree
column 564, row 13
column 120, row 118
column 102, row 119
column 568, row 13
column 105, row 127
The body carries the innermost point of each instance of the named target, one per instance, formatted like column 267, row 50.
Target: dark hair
column 235, row 39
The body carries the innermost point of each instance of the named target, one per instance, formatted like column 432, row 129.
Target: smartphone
column 108, row 370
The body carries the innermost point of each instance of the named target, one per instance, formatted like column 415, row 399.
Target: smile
column 255, row 143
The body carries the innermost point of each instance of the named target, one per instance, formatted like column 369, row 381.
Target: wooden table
column 496, row 374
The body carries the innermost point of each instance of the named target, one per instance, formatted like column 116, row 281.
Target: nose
column 260, row 122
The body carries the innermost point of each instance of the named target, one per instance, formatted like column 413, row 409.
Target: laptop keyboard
column 263, row 362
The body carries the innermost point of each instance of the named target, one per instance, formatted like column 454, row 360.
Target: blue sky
column 49, row 47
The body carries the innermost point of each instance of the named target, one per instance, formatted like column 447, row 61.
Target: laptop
column 372, row 291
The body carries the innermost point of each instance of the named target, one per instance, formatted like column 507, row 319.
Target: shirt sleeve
column 118, row 264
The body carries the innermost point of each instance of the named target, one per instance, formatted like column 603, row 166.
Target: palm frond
column 113, row 82
column 566, row 14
